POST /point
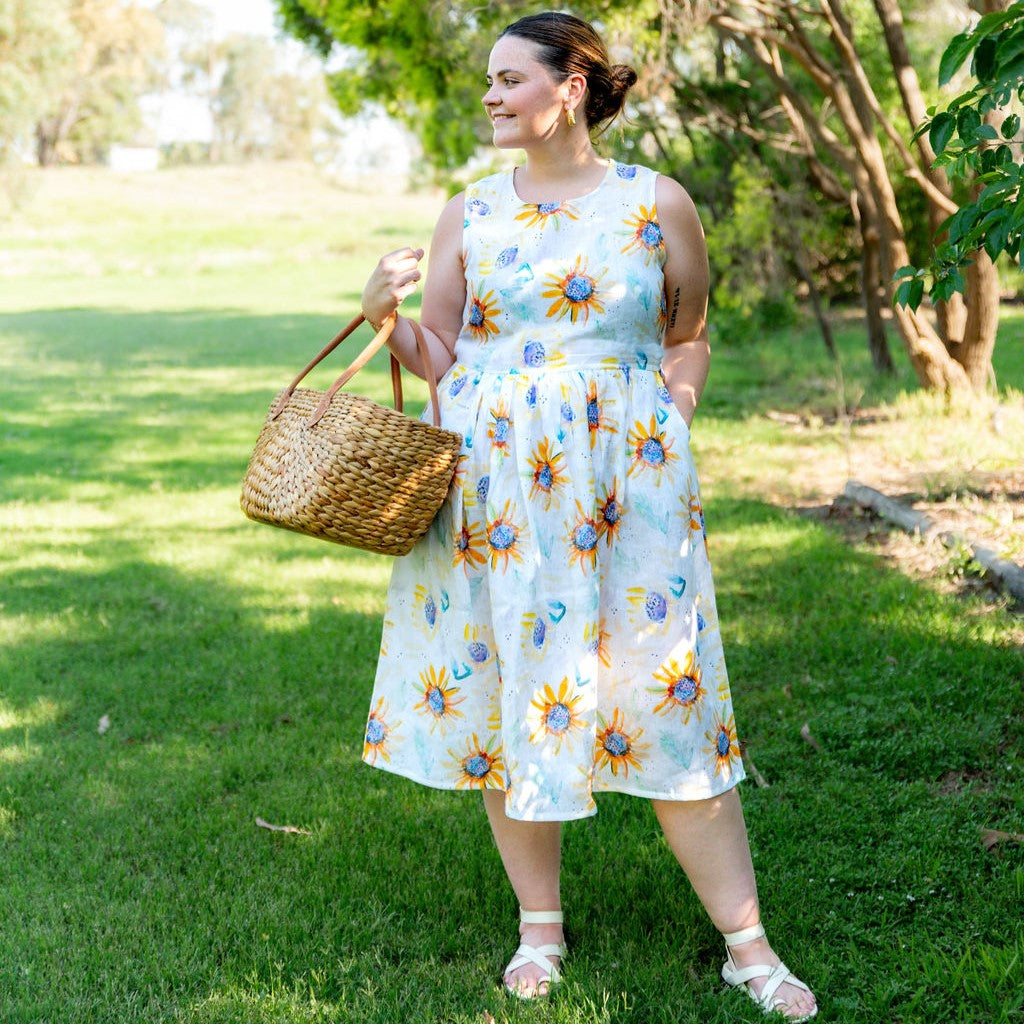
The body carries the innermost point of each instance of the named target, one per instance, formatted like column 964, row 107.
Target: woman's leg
column 709, row 839
column 531, row 852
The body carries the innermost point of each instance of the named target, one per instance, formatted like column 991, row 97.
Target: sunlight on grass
column 142, row 342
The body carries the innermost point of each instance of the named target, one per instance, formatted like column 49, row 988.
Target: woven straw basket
column 342, row 468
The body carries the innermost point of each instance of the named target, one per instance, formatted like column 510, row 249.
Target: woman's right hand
column 394, row 278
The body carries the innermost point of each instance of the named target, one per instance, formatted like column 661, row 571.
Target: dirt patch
column 964, row 471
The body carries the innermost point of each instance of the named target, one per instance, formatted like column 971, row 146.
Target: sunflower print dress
column 554, row 634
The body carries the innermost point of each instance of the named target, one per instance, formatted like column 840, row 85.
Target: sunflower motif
column 500, row 425
column 480, row 767
column 481, row 315
column 549, row 472
column 468, row 547
column 693, row 510
column 503, row 538
column 378, row 732
column 597, row 414
column 609, row 514
column 616, row 748
column 583, row 538
column 680, row 688
column 596, row 638
column 662, row 323
column 553, row 716
column 439, row 700
column 649, row 448
column 725, row 747
column 574, row 293
column 547, row 213
column 647, row 237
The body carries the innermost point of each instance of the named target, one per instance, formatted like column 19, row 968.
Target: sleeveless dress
column 554, row 634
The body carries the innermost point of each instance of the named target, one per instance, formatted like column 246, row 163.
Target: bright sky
column 254, row 16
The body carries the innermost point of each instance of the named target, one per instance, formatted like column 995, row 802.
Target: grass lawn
column 169, row 672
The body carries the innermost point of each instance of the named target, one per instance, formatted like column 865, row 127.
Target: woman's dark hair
column 570, row 46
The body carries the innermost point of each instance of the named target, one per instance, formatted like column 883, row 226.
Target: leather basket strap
column 428, row 367
column 367, row 354
column 381, row 337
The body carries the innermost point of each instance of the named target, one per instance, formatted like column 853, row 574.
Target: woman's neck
column 549, row 176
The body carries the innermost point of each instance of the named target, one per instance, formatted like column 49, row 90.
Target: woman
column 554, row 634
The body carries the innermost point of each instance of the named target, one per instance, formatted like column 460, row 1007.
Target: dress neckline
column 565, row 199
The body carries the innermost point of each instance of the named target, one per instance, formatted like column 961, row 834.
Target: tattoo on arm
column 675, row 310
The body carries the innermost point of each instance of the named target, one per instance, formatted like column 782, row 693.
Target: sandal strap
column 538, row 956
column 540, row 916
column 777, row 977
column 755, row 931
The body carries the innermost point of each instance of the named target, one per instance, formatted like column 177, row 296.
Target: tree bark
column 873, row 290
column 951, row 315
column 974, row 353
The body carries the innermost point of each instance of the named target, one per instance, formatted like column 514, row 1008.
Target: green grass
column 235, row 665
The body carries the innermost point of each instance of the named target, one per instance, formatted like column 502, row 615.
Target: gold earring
column 570, row 117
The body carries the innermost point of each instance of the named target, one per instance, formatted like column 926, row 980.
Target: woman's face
column 524, row 102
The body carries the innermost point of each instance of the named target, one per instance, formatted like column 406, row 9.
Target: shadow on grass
column 140, row 889
column 171, row 399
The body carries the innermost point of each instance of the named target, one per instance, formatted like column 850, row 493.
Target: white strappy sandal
column 538, row 955
column 738, row 977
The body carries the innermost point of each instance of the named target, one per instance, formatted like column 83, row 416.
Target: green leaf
column 984, row 64
column 968, row 121
column 954, row 55
column 988, row 132
column 916, row 293
column 996, row 20
column 902, row 295
column 1010, row 126
column 941, row 131
column 1010, row 44
column 907, row 271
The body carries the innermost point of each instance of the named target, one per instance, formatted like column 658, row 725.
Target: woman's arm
column 444, row 293
column 687, row 351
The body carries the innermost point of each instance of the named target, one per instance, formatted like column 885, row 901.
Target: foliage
column 117, row 57
column 37, row 41
column 751, row 284
column 260, row 110
column 976, row 138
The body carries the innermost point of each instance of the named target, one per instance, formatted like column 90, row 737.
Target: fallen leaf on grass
column 805, row 733
column 103, row 725
column 282, row 828
column 991, row 838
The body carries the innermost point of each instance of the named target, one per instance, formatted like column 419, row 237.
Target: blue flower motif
column 627, row 172
column 483, row 485
column 506, row 256
column 533, row 354
column 479, row 207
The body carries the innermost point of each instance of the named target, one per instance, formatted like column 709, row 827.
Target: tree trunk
column 873, row 291
column 974, row 353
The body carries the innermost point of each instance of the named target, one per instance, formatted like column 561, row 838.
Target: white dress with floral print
column 554, row 634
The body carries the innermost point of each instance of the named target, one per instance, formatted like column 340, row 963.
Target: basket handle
column 367, row 354
column 385, row 330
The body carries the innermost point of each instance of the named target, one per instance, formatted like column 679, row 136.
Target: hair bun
column 623, row 77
